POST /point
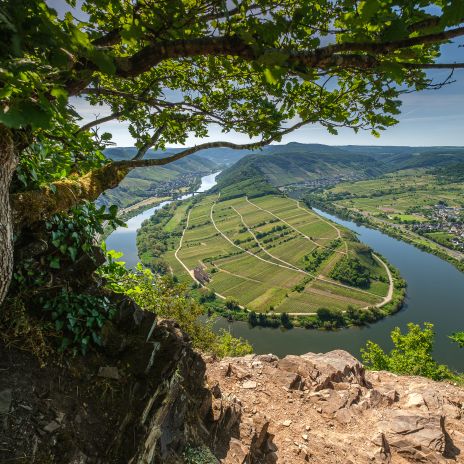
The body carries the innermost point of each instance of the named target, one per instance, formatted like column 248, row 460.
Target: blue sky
column 432, row 117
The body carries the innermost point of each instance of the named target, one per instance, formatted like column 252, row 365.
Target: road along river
column 435, row 294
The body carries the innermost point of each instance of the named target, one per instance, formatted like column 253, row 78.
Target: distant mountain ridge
column 219, row 156
column 294, row 163
column 275, row 166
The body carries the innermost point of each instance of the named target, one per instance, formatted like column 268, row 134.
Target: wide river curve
column 435, row 294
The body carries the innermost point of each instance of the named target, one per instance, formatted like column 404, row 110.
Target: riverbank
column 416, row 240
column 336, row 307
column 434, row 294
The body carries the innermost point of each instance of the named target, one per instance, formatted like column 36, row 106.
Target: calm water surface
column 124, row 238
column 435, row 294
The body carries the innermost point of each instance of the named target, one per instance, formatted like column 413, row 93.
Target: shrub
column 252, row 319
column 332, row 315
column 232, row 304
column 285, row 321
column 412, row 354
column 168, row 299
column 350, row 271
column 198, row 455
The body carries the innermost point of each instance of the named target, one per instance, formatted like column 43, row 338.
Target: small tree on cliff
column 174, row 67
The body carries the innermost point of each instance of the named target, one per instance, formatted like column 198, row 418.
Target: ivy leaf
column 72, row 252
column 55, row 262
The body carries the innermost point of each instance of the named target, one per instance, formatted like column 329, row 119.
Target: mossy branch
column 37, row 205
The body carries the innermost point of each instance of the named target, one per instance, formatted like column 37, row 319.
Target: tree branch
column 140, row 163
column 154, row 53
column 382, row 47
column 37, row 205
column 153, row 139
column 96, row 122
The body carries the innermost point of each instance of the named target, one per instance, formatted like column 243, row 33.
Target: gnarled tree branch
column 37, row 205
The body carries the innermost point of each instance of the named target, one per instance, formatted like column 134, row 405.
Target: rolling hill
column 296, row 163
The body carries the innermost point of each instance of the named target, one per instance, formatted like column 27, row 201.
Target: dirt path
column 389, row 296
column 238, row 275
column 247, row 251
column 327, row 222
column 294, row 228
column 180, row 246
column 386, row 300
column 320, row 277
column 264, row 249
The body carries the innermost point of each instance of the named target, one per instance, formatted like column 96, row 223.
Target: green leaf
column 72, row 252
column 104, row 62
column 368, row 8
column 270, row 77
column 55, row 262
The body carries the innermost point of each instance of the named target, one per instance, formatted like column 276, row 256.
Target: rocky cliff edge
column 147, row 397
column 325, row 408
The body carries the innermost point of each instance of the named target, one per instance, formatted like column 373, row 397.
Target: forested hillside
column 153, row 181
column 321, row 165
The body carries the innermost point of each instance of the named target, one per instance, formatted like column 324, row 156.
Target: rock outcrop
column 147, row 397
column 141, row 400
column 324, row 408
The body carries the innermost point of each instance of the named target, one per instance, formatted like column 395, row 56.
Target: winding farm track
column 294, row 228
column 180, row 246
column 247, row 251
column 288, row 266
column 264, row 249
column 327, row 222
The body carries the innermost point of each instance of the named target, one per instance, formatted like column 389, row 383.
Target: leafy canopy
column 411, row 355
column 175, row 67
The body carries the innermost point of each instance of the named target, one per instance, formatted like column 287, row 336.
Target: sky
column 431, row 117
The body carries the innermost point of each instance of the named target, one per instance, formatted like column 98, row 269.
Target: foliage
column 228, row 345
column 232, row 303
column 351, row 271
column 271, row 73
column 168, row 299
column 450, row 173
column 183, row 66
column 78, row 318
column 73, row 233
column 332, row 316
column 152, row 238
column 458, row 337
column 411, row 355
column 198, row 455
column 314, row 259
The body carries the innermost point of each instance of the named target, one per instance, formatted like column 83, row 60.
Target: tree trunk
column 8, row 162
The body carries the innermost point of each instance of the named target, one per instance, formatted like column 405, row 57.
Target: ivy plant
column 78, row 319
column 74, row 233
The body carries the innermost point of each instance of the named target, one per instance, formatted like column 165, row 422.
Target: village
column 322, row 182
column 445, row 219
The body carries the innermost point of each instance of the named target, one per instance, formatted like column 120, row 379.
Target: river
column 124, row 238
column 435, row 294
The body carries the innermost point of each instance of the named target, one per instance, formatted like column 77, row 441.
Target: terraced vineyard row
column 271, row 253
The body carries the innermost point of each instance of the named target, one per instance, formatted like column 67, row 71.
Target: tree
column 412, row 354
column 174, row 67
column 285, row 321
